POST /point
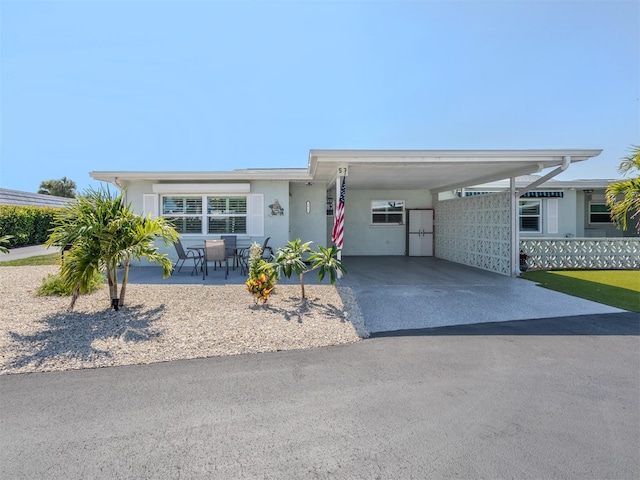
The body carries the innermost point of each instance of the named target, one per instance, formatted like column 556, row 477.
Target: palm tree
column 289, row 260
column 623, row 197
column 105, row 233
column 60, row 188
column 5, row 241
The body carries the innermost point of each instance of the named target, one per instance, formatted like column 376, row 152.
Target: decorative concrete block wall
column 475, row 231
column 613, row 253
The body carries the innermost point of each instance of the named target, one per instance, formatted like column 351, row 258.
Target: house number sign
column 343, row 170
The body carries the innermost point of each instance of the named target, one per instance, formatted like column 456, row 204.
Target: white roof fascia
column 460, row 155
column 108, row 176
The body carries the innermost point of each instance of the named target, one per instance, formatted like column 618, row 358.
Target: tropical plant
column 326, row 261
column 55, row 285
column 104, row 234
column 623, row 197
column 262, row 275
column 289, row 259
column 4, row 240
column 60, row 188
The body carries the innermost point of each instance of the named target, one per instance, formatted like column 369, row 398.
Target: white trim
column 202, row 188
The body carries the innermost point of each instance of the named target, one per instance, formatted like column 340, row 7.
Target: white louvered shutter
column 552, row 215
column 255, row 222
column 150, row 205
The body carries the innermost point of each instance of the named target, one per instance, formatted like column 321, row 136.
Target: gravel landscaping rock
column 163, row 322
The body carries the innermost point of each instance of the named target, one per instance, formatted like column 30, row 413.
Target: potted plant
column 524, row 266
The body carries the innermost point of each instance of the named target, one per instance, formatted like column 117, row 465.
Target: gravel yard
column 163, row 322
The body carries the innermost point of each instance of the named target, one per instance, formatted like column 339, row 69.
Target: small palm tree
column 104, row 233
column 4, row 240
column 289, row 259
column 623, row 197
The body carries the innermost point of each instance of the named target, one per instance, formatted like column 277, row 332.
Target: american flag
column 337, row 235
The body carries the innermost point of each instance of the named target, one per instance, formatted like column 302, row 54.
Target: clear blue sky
column 206, row 85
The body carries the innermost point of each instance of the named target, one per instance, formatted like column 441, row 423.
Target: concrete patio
column 407, row 293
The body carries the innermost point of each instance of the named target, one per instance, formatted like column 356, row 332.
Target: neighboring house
column 382, row 187
column 16, row 197
column 559, row 208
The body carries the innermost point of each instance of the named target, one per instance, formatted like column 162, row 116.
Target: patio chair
column 231, row 248
column 215, row 251
column 265, row 248
column 196, row 255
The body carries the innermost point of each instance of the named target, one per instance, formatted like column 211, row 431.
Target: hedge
column 27, row 225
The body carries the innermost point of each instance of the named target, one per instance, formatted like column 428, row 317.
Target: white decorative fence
column 600, row 253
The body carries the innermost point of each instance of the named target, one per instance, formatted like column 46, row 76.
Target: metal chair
column 243, row 256
column 231, row 247
column 265, row 255
column 215, row 251
column 183, row 255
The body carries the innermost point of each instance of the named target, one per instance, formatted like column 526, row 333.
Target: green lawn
column 618, row 288
column 50, row 259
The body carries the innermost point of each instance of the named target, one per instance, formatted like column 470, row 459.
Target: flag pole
column 335, row 212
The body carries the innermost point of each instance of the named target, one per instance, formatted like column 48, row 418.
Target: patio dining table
column 238, row 257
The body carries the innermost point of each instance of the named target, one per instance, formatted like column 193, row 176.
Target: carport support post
column 515, row 229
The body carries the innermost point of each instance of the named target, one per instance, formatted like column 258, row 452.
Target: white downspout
column 565, row 164
column 118, row 185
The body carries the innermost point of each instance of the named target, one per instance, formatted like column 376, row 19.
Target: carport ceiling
column 431, row 169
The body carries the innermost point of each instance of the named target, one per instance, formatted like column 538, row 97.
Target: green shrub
column 54, row 285
column 27, row 225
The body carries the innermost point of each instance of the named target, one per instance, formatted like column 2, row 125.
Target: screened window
column 387, row 212
column 530, row 215
column 599, row 213
column 222, row 214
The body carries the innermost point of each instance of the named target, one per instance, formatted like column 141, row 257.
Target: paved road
column 554, row 398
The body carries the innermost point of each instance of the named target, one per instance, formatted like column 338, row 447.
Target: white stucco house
column 387, row 192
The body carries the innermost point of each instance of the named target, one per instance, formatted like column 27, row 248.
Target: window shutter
column 150, row 205
column 255, row 225
column 552, row 215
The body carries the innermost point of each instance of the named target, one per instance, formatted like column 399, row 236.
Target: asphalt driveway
column 552, row 398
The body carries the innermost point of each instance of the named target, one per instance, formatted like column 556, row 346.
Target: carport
column 406, row 293
column 479, row 231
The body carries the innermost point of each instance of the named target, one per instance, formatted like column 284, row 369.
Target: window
column 387, row 212
column 599, row 213
column 530, row 215
column 224, row 215
column 227, row 215
column 185, row 213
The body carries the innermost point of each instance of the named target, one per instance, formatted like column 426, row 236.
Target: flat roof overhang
column 434, row 170
column 293, row 174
